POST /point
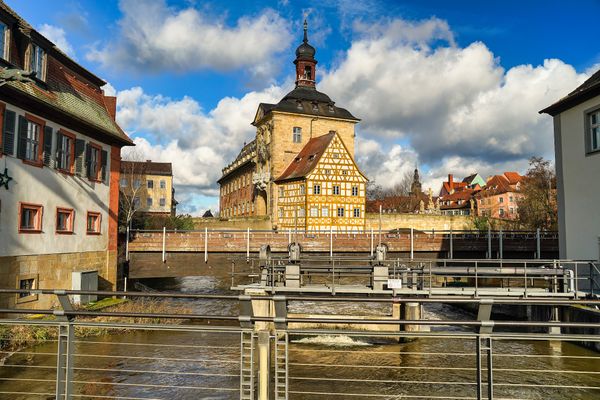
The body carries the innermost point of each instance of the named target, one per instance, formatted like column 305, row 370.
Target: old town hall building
column 300, row 169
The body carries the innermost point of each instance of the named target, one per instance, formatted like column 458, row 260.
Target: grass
column 14, row 337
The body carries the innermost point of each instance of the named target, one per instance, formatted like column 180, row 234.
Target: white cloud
column 454, row 108
column 198, row 143
column 156, row 37
column 57, row 36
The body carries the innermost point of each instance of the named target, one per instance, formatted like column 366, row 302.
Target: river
column 191, row 365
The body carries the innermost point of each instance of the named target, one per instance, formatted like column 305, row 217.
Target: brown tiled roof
column 308, row 158
column 147, row 168
column 464, row 196
column 499, row 184
column 70, row 94
column 587, row 90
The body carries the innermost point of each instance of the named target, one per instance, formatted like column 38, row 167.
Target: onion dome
column 305, row 50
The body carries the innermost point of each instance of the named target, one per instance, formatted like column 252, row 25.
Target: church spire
column 305, row 62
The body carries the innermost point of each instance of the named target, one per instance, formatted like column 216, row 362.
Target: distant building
column 59, row 182
column 498, row 199
column 577, row 149
column 256, row 183
column 459, row 203
column 473, row 181
column 151, row 184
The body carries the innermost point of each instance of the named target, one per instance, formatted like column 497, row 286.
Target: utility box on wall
column 84, row 280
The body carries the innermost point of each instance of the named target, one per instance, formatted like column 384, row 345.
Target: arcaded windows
column 30, row 218
column 593, row 139
column 297, row 135
column 354, row 190
column 336, row 189
column 317, row 189
column 93, row 221
column 64, row 220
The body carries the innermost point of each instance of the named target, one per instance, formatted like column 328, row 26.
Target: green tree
column 537, row 204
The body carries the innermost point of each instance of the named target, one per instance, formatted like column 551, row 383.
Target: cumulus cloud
column 198, row 143
column 410, row 83
column 57, row 36
column 156, row 37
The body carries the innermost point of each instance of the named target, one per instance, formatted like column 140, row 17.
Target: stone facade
column 53, row 271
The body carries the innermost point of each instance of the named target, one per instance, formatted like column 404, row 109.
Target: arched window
column 308, row 72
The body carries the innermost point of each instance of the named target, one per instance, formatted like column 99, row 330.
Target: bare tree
column 537, row 205
column 130, row 186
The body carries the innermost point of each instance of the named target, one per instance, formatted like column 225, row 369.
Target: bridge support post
column 554, row 330
column 264, row 356
column 489, row 238
column 412, row 311
column 538, row 247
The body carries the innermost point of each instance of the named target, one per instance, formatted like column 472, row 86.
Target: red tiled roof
column 308, row 158
column 463, row 195
column 513, row 177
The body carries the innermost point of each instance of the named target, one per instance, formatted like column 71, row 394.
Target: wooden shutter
column 57, row 152
column 47, row 156
column 79, row 161
column 22, row 137
column 104, row 155
column 88, row 161
column 8, row 134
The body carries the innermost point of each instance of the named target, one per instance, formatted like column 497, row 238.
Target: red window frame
column 71, row 167
column 38, row 218
column 98, row 224
column 40, row 156
column 96, row 176
column 70, row 220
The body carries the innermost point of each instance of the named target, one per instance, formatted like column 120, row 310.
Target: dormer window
column 330, row 107
column 315, row 107
column 37, row 61
column 4, row 43
column 299, row 105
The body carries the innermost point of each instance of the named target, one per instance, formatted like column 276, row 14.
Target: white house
column 577, row 147
column 59, row 167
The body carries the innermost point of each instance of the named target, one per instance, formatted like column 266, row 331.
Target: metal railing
column 463, row 359
column 430, row 277
column 248, row 240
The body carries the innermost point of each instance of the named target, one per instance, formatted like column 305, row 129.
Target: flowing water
column 205, row 365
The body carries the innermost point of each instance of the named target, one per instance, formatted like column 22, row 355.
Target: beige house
column 577, row 149
column 150, row 186
column 322, row 189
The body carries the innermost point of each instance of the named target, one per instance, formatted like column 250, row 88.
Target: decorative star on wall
column 4, row 179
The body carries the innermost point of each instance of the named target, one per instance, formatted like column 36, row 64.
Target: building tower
column 252, row 184
column 415, row 187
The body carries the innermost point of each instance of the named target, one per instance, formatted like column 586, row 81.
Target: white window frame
column 314, row 211
column 335, row 190
column 297, row 134
column 340, row 211
column 317, row 189
column 5, row 42
column 357, row 213
column 325, row 211
column 354, row 190
column 35, row 52
column 593, row 131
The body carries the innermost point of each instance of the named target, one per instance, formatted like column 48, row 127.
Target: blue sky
column 453, row 87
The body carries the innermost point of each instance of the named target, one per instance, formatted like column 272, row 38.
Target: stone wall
column 254, row 223
column 422, row 222
column 53, row 271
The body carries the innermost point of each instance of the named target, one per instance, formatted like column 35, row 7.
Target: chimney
column 451, row 183
column 111, row 105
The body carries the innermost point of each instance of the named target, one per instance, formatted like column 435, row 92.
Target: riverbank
column 15, row 337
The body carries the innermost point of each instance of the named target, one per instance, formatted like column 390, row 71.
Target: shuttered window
column 8, row 132
column 31, row 143
column 65, row 152
column 93, row 161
